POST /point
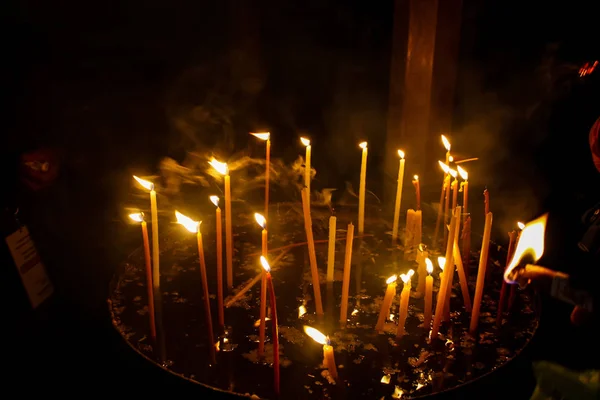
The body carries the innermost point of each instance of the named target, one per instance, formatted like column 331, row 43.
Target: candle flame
column 146, row 184
column 416, row 177
column 406, row 277
column 305, row 141
column 453, row 172
column 421, row 248
column 446, row 143
column 530, row 242
column 301, row 311
column 444, row 167
column 187, row 222
column 429, row 265
column 442, row 262
column 521, row 225
column 391, row 279
column 265, row 264
column 261, row 135
column 316, row 335
column 215, row 200
column 260, row 220
column 463, row 174
column 401, row 153
column 450, row 158
column 219, row 166
column 362, row 145
column 137, row 217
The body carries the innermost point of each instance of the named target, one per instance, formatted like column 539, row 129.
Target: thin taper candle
column 346, row 278
column 219, row 234
column 263, row 287
column 312, row 256
column 331, row 248
column 398, row 204
column 485, row 245
column 307, row 167
column 362, row 189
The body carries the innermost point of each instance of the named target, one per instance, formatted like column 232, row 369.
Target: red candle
column 418, row 191
column 263, row 288
column 219, row 228
column 274, row 324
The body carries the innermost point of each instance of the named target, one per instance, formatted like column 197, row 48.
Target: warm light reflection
column 452, row 172
column 406, row 277
column 450, row 158
column 362, row 145
column 316, row 335
column 444, row 167
column 391, row 279
column 137, row 217
column 146, row 184
column 305, row 141
column 261, row 135
column 260, row 220
column 521, row 225
column 386, row 379
column 219, row 166
column 446, row 143
column 416, row 177
column 442, row 262
column 265, row 264
column 301, row 311
column 355, row 311
column 187, row 222
column 463, row 174
column 401, row 153
column 531, row 242
column 429, row 265
column 215, row 200
column 398, row 393
column 421, row 248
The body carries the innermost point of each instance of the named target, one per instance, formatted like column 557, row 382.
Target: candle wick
column 327, row 341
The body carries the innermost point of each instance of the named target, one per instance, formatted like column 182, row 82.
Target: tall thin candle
column 396, row 221
column 346, row 278
column 454, row 188
column 266, row 136
column 511, row 242
column 274, row 323
column 331, row 248
column 362, row 189
column 428, row 294
column 417, row 185
column 219, row 228
column 485, row 245
column 312, row 256
column 262, row 222
column 307, row 167
column 194, row 227
column 222, row 169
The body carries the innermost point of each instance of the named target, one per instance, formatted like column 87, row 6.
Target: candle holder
column 372, row 363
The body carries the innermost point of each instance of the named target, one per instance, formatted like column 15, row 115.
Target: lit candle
column 346, row 278
column 404, row 296
column 447, row 146
column 328, row 357
column 194, row 227
column 266, row 136
column 263, row 287
column 417, row 228
column 215, row 201
column 398, row 197
column 464, row 186
column 417, row 186
column 312, row 255
column 485, row 245
column 155, row 265
column 428, row 294
column 390, row 293
column 454, row 175
column 331, row 248
column 222, row 169
column 441, row 298
column 447, row 210
column 362, row 189
column 306, row 142
column 274, row 322
column 511, row 242
column 422, row 261
column 139, row 217
column 445, row 185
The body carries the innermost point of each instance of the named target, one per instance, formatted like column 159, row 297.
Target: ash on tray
column 370, row 364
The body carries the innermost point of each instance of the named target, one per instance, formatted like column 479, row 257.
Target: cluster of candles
column 453, row 214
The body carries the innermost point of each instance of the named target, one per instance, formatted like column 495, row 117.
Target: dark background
column 117, row 85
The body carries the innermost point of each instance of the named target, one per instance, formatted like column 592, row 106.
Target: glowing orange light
column 137, row 217
column 391, row 279
column 401, row 153
column 429, row 265
column 301, row 311
column 260, row 220
column 416, row 177
column 145, row 184
column 446, row 143
column 463, row 174
column 215, row 200
column 261, row 135
column 316, row 335
column 265, row 264
column 450, row 158
column 362, row 145
column 531, row 242
column 305, row 141
column 187, row 222
column 444, row 167
column 219, row 166
column 442, row 262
